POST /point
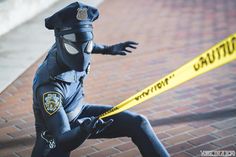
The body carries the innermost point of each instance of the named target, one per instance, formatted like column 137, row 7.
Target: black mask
column 75, row 50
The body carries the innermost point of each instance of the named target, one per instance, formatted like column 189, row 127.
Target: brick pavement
column 198, row 115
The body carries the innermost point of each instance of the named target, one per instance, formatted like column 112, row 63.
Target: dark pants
column 126, row 124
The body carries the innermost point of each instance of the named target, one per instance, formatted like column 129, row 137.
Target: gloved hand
column 93, row 125
column 101, row 126
column 121, row 48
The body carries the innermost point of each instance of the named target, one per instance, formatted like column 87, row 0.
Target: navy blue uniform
column 63, row 120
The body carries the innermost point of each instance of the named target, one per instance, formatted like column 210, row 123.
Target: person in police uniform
column 63, row 120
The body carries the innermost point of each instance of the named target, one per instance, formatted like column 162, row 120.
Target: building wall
column 15, row 12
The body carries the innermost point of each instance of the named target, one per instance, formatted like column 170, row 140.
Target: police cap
column 76, row 17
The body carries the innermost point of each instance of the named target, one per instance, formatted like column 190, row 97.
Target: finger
column 122, row 53
column 131, row 42
column 133, row 47
column 93, row 122
column 127, row 51
column 104, row 126
column 109, row 122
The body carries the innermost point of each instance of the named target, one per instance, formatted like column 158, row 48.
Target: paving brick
column 89, row 142
column 8, row 129
column 202, row 131
column 25, row 125
column 28, row 119
column 10, row 148
column 25, row 153
column 177, row 139
column 106, row 144
column 82, row 151
column 180, row 130
column 4, row 138
column 226, row 132
column 202, row 123
column 22, row 132
column 230, row 147
column 124, row 139
column 179, row 147
column 129, row 153
column 223, row 104
column 225, row 97
column 228, row 123
column 197, row 150
column 126, row 146
column 162, row 135
column 203, row 109
column 202, row 140
column 105, row 152
column 182, row 109
column 11, row 123
column 225, row 141
column 182, row 154
column 11, row 155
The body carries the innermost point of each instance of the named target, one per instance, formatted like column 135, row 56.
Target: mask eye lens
column 70, row 49
column 89, row 47
column 70, row 37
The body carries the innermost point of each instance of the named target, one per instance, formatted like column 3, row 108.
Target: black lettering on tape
column 196, row 67
column 211, row 57
column 166, row 80
column 159, row 85
column 154, row 88
column 218, row 52
column 233, row 41
column 230, row 48
column 203, row 61
column 222, row 51
column 145, row 93
column 222, row 46
column 109, row 111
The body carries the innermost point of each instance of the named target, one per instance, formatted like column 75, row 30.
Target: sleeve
column 100, row 49
column 51, row 105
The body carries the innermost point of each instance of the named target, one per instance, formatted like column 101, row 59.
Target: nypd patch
column 51, row 102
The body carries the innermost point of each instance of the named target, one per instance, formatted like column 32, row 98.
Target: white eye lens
column 89, row 47
column 70, row 37
column 70, row 49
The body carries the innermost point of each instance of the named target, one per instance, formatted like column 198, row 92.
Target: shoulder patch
column 51, row 102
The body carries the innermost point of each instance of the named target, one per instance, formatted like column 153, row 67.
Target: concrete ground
column 196, row 116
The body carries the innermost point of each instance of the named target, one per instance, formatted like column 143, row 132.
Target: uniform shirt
column 55, row 88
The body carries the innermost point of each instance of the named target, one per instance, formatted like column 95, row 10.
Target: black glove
column 121, row 48
column 94, row 125
column 87, row 124
column 101, row 126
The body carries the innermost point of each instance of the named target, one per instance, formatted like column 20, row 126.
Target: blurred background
column 197, row 116
column 22, row 34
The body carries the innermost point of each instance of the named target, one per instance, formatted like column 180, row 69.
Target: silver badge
column 82, row 14
column 51, row 102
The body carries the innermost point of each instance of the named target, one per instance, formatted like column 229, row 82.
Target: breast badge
column 82, row 14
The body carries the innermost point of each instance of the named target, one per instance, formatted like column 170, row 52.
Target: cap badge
column 82, row 14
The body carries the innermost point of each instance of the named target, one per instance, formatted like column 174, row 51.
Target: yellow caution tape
column 220, row 54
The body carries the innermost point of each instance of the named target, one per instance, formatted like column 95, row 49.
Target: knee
column 141, row 122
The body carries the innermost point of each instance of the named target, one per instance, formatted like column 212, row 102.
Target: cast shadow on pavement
column 19, row 142
column 214, row 115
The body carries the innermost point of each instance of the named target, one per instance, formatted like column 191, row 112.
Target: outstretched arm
column 117, row 49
